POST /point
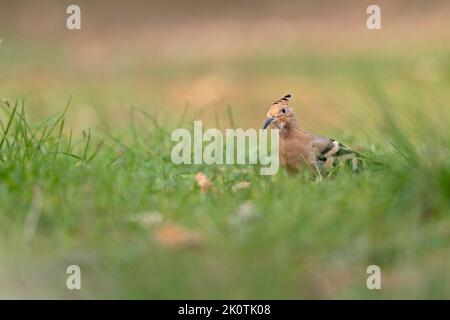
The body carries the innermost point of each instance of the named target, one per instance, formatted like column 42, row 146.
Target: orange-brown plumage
column 300, row 149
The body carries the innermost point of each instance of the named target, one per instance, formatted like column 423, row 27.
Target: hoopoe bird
column 299, row 149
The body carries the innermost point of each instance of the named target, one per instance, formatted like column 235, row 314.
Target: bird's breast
column 294, row 152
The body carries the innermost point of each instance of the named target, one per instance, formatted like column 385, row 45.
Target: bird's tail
column 344, row 156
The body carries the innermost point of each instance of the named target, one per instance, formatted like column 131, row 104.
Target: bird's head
column 280, row 114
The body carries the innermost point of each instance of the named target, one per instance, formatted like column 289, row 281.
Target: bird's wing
column 330, row 153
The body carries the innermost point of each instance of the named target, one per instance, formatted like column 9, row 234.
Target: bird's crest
column 284, row 101
column 279, row 105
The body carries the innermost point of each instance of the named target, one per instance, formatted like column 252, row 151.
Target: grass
column 69, row 199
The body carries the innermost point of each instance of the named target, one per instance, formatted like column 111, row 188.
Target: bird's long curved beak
column 268, row 122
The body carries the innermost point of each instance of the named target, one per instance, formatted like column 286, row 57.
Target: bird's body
column 300, row 149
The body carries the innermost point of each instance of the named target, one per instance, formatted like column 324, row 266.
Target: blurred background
column 165, row 56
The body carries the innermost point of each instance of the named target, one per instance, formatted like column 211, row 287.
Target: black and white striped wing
column 331, row 153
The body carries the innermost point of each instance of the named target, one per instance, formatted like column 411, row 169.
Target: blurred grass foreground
column 85, row 171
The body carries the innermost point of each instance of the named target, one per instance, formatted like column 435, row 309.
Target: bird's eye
column 283, row 110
